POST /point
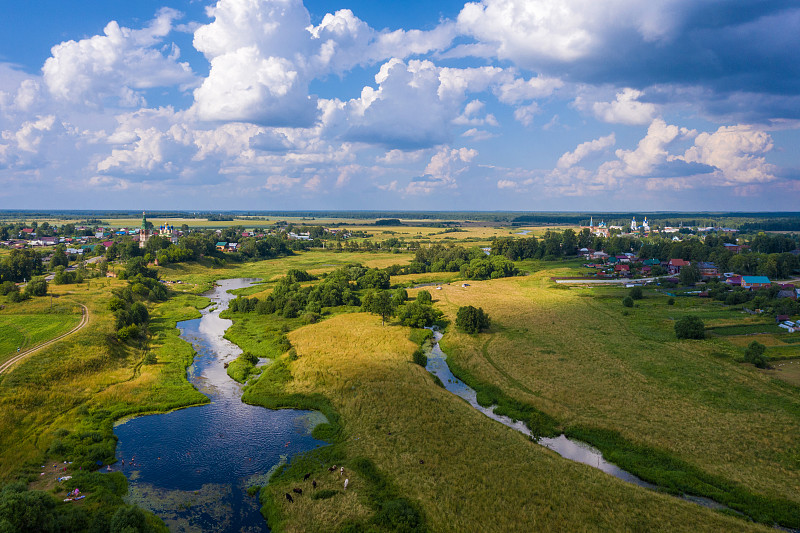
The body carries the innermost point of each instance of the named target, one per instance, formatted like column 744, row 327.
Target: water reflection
column 192, row 467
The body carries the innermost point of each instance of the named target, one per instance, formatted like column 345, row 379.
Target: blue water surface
column 192, row 467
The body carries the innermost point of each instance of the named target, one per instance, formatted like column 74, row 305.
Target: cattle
column 297, row 491
column 289, row 497
column 346, row 482
column 314, row 483
column 305, row 478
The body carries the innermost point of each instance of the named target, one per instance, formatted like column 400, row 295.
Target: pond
column 192, row 467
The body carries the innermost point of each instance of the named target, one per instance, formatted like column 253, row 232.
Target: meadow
column 409, row 447
column 596, row 367
column 29, row 323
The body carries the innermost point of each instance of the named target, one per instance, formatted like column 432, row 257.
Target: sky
column 536, row 105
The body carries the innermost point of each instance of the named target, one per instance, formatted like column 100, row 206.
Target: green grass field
column 26, row 330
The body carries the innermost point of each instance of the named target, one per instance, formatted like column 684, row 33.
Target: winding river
column 565, row 447
column 192, row 467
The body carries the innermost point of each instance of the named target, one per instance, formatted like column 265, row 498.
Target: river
column 192, row 467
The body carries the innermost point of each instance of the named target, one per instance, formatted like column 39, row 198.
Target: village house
column 755, row 282
column 675, row 265
column 708, row 270
column 221, row 246
column 734, row 280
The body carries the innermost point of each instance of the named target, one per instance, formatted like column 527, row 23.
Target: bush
column 36, row 287
column 130, row 332
column 8, row 287
column 755, row 354
column 671, row 301
column 636, row 293
column 471, row 320
column 627, row 301
column 420, row 358
column 424, row 297
column 690, row 327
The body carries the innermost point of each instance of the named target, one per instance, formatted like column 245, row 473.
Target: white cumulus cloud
column 584, row 149
column 116, row 64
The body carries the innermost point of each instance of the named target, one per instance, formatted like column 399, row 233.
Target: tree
column 755, row 354
column 424, row 297
column 636, row 293
column 418, row 315
column 627, row 301
column 690, row 327
column 36, row 287
column 471, row 320
column 59, row 257
column 689, row 275
column 380, row 303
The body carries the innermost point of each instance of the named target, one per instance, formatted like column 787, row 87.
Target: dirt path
column 5, row 367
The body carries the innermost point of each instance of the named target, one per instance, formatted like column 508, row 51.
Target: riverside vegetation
column 687, row 415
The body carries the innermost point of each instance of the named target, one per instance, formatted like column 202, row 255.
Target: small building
column 675, row 265
column 755, row 282
column 221, row 246
column 787, row 294
column 708, row 270
column 623, row 270
column 233, row 246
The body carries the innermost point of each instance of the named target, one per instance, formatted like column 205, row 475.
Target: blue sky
column 499, row 104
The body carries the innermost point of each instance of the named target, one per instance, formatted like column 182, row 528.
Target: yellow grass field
column 467, row 472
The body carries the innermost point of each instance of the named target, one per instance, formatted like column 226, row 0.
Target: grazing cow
column 421, row 462
column 332, row 469
column 297, row 491
column 289, row 497
column 346, row 482
column 305, row 478
column 314, row 483
column 341, row 471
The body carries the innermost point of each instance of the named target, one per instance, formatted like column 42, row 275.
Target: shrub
column 471, row 320
column 420, row 358
column 671, row 301
column 636, row 293
column 690, row 327
column 755, row 354
column 127, row 333
column 8, row 287
column 36, row 287
column 627, row 301
column 424, row 297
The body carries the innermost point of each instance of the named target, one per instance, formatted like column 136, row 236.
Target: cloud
column 442, row 170
column 258, row 53
column 381, row 116
column 626, row 109
column 118, row 64
column 737, row 151
column 736, row 47
column 585, row 149
column 520, row 90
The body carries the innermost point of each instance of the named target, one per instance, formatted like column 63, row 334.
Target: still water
column 192, row 467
